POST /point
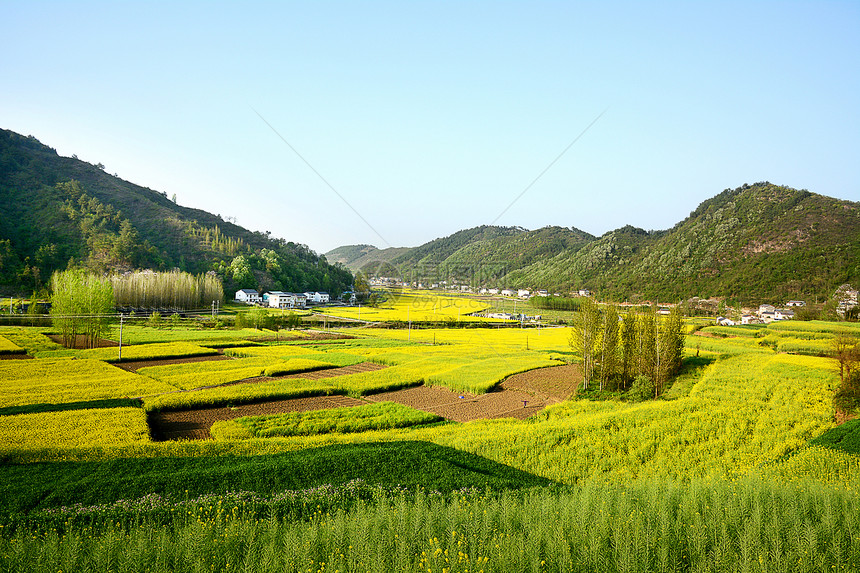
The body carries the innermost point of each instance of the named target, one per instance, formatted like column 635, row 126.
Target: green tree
column 80, row 305
column 609, row 356
column 585, row 336
column 845, row 349
column 670, row 349
column 628, row 348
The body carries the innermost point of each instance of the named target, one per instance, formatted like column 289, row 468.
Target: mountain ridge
column 755, row 242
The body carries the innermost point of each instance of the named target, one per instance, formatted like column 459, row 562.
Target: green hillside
column 486, row 254
column 60, row 211
column 754, row 243
column 363, row 257
column 757, row 242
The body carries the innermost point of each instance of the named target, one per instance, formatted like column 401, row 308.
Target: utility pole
column 120, row 336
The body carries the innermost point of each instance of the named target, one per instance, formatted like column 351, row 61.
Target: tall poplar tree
column 584, row 337
column 80, row 303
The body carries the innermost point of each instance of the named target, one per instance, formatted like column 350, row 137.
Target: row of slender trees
column 82, row 303
column 617, row 350
column 173, row 290
column 81, row 306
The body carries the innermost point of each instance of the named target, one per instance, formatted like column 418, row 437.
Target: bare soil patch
column 195, row 424
column 520, row 396
column 710, row 335
column 21, row 356
column 306, row 336
column 554, row 383
column 333, row 372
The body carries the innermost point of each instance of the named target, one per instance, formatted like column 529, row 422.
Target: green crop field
column 379, row 416
column 741, row 466
column 209, row 373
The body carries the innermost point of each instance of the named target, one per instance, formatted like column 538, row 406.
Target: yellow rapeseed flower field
column 60, row 381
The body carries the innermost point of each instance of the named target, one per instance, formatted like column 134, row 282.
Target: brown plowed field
column 195, row 424
column 15, row 357
column 519, row 396
column 342, row 371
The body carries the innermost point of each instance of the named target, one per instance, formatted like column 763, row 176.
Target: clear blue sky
column 431, row 117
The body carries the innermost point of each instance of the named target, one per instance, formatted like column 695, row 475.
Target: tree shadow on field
column 409, row 464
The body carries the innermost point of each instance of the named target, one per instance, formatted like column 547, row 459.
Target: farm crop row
column 103, row 427
column 648, row 526
column 9, row 347
column 62, row 381
column 379, row 416
column 209, row 373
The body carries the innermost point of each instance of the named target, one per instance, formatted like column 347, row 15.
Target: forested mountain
column 59, row 212
column 357, row 257
column 754, row 243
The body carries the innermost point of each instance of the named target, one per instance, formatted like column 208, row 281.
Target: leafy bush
column 642, row 389
column 847, row 399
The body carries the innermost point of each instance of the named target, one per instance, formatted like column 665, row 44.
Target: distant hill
column 760, row 242
column 363, row 257
column 60, row 211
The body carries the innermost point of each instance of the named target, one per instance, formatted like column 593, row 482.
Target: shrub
column 642, row 389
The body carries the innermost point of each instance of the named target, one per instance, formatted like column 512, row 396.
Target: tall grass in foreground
column 648, row 526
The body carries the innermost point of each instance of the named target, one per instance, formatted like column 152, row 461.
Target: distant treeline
column 555, row 303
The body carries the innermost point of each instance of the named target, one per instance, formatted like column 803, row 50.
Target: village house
column 284, row 300
column 795, row 303
column 523, row 293
column 493, row 291
column 767, row 316
column 584, row 292
column 318, row 297
column 783, row 314
column 766, row 308
column 248, row 296
column 507, row 292
column 542, row 292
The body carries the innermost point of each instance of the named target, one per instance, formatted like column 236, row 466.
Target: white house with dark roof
column 317, row 297
column 248, row 296
column 783, row 314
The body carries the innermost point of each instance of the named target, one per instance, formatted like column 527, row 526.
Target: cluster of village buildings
column 766, row 313
column 521, row 293
column 283, row 300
